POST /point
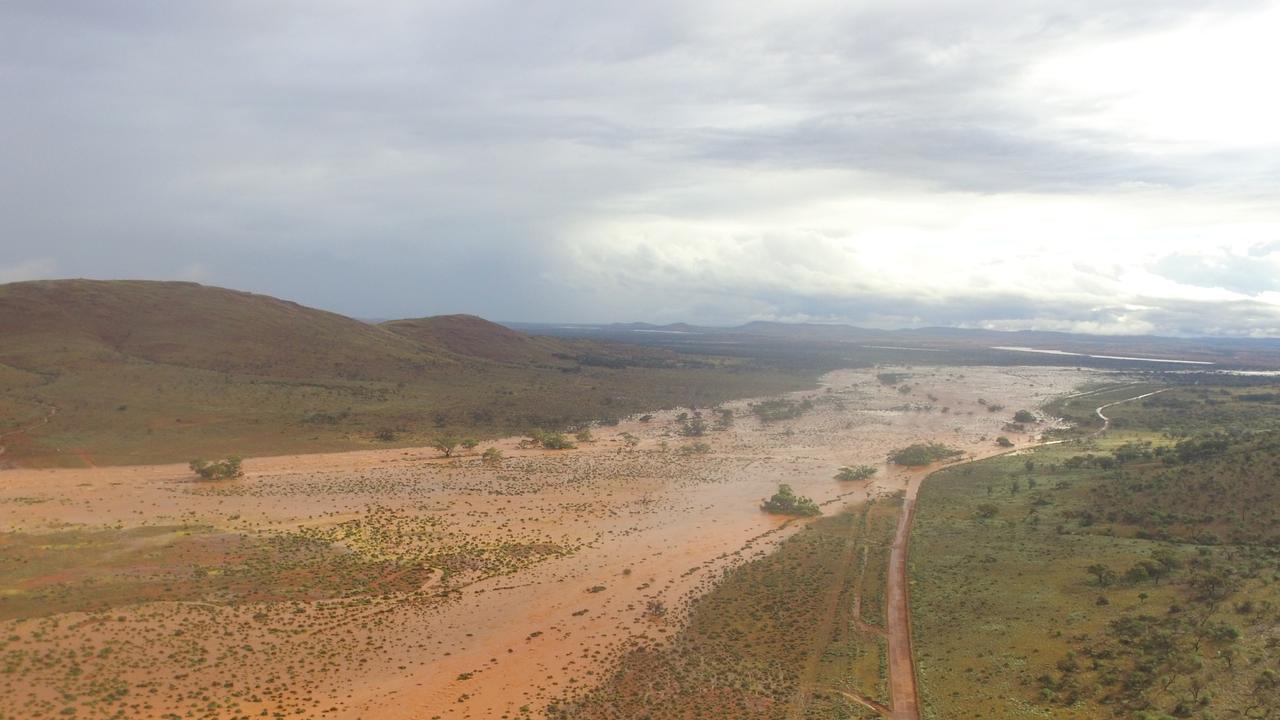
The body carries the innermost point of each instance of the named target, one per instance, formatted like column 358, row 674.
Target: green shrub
column 552, row 440
column 786, row 502
column 923, row 454
column 860, row 472
column 218, row 470
column 695, row 448
column 775, row 410
column 446, row 444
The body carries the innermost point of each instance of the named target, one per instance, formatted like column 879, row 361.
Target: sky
column 1107, row 166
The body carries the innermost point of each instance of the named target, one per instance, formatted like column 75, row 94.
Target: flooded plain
column 400, row 584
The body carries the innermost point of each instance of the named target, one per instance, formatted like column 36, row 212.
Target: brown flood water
column 643, row 524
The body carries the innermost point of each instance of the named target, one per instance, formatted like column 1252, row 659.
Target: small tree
column 923, row 453
column 1024, row 416
column 584, row 435
column 1003, row 441
column 860, row 472
column 786, row 502
column 556, row 441
column 218, row 470
column 697, row 427
column 694, row 448
column 446, row 444
column 491, row 456
column 1103, row 574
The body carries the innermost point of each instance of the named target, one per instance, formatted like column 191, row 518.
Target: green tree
column 859, row 472
column 1103, row 574
column 786, row 502
column 923, row 454
column 696, row 427
column 446, row 444
column 217, row 470
column 555, row 441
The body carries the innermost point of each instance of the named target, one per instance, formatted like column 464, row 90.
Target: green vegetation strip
column 776, row 635
column 1134, row 577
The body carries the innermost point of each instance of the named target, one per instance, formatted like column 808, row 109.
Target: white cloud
column 1105, row 164
column 1200, row 86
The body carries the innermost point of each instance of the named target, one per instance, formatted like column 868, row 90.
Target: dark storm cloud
column 401, row 158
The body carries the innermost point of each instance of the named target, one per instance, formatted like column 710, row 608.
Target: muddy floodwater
column 495, row 588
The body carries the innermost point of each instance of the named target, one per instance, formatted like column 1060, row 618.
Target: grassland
column 1133, row 575
column 780, row 636
column 97, row 570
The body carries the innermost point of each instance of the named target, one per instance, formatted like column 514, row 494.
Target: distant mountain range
column 145, row 371
column 1227, row 353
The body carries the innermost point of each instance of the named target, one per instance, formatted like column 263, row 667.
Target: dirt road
column 902, row 671
column 905, row 704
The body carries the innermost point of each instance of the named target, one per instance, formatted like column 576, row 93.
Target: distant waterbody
column 1016, row 348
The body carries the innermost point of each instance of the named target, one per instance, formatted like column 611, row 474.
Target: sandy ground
column 633, row 526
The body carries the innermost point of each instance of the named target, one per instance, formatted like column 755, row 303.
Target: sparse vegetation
column 446, row 444
column 217, row 469
column 552, row 440
column 747, row 649
column 786, row 502
column 856, row 473
column 921, row 454
column 259, row 376
column 771, row 411
column 1133, row 580
column 695, row 448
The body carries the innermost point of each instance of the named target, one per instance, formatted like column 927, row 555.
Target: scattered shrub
column 217, row 470
column 860, row 472
column 786, row 502
column 923, row 454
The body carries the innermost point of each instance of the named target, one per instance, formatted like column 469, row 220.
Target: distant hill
column 57, row 324
column 967, row 345
column 475, row 337
column 146, row 371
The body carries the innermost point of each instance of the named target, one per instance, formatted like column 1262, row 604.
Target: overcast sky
column 1095, row 165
